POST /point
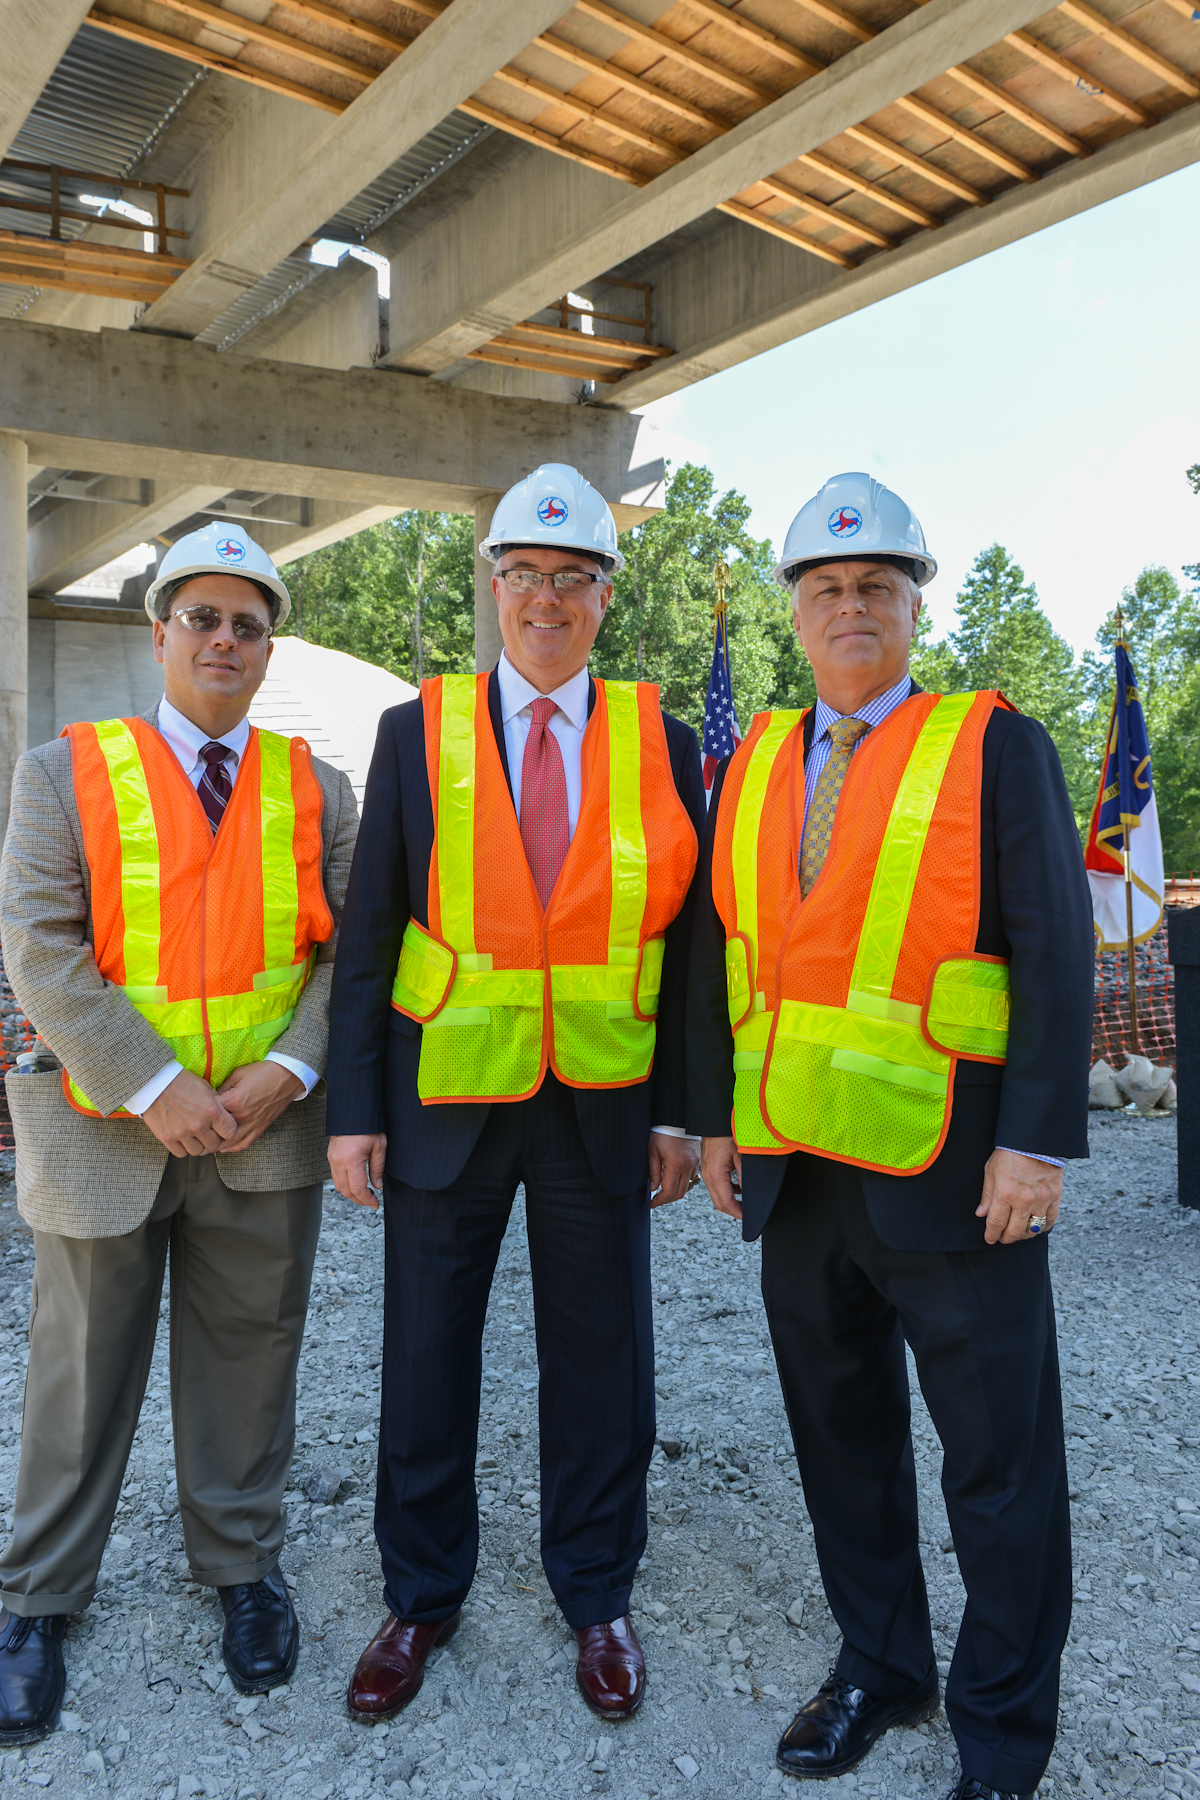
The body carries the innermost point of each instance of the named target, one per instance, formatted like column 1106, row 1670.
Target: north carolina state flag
column 1125, row 798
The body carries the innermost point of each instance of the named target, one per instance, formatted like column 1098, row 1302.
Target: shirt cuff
column 1057, row 1161
column 300, row 1070
column 670, row 1131
column 147, row 1095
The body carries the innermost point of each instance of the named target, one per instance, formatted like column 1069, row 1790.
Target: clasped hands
column 191, row 1117
column 356, row 1164
column 1016, row 1189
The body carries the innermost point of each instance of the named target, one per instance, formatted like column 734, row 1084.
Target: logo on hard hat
column 553, row 511
column 230, row 550
column 844, row 521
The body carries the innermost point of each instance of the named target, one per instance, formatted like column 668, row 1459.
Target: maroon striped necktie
column 215, row 786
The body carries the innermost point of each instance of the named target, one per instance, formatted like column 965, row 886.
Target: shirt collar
column 516, row 694
column 186, row 739
column 873, row 713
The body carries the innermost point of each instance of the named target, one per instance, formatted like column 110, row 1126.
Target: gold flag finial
column 722, row 579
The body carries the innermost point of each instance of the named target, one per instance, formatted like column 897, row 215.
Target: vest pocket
column 424, row 974
column 967, row 1007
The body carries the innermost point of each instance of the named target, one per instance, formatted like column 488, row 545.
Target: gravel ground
column 729, row 1604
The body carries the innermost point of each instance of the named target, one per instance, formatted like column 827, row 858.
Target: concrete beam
column 125, row 403
column 280, row 172
column 78, row 537
column 732, row 298
column 35, row 37
column 502, row 277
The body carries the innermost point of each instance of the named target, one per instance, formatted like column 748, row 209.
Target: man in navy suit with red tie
column 509, row 1008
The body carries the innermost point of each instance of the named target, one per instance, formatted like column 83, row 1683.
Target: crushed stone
column 728, row 1602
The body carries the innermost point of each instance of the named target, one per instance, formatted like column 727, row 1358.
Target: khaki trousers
column 241, row 1266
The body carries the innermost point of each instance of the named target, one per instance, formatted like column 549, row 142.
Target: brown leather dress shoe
column 392, row 1667
column 611, row 1671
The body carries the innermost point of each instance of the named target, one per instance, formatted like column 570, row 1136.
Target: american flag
column 722, row 735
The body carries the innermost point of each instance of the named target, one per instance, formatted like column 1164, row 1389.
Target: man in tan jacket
column 169, row 894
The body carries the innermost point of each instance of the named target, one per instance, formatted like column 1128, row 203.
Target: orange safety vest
column 502, row 990
column 849, row 1008
column 210, row 936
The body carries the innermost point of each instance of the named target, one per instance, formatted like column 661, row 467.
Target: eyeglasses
column 246, row 628
column 566, row 581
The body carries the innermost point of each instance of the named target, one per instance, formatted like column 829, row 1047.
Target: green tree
column 1162, row 629
column 400, row 595
column 1004, row 640
column 659, row 626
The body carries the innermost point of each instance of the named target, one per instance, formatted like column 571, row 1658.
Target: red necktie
column 215, row 786
column 545, row 828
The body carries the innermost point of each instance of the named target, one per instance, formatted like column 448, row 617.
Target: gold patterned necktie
column 818, row 827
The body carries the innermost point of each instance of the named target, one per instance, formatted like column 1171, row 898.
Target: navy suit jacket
column 1035, row 910
column 374, row 1050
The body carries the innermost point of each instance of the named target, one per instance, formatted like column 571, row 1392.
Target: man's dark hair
column 166, row 593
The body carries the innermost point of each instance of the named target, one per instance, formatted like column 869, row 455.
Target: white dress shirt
column 567, row 725
column 187, row 740
column 873, row 713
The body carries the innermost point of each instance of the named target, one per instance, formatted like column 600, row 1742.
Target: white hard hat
column 855, row 516
column 221, row 548
column 555, row 506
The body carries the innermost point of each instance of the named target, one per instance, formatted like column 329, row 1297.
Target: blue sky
column 1047, row 396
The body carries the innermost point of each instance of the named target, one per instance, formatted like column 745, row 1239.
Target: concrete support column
column 488, row 642
column 14, row 613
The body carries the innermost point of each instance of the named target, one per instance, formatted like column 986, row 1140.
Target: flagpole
column 1133, row 1011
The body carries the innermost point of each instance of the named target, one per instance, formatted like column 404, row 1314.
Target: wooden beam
column 596, row 350
column 749, row 215
column 920, row 165
column 211, row 59
column 1130, row 46
column 545, row 140
column 1185, row 8
column 783, row 190
column 1070, row 72
column 9, row 204
column 963, row 134
column 564, row 335
column 633, row 84
column 978, row 84
column 236, row 26
column 757, row 35
column 1017, row 109
column 836, row 15
column 538, row 363
column 680, row 53
column 363, row 29
column 908, row 209
column 68, row 282
column 632, row 134
column 147, row 265
column 117, row 181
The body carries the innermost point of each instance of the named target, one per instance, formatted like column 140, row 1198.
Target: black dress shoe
column 836, row 1728
column 262, row 1634
column 32, row 1677
column 969, row 1789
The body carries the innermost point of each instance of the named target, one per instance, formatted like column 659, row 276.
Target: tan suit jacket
column 86, row 1178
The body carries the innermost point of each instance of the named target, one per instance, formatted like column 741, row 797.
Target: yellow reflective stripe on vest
column 900, row 853
column 139, row 852
column 626, row 832
column 456, row 813
column 746, row 822
column 281, row 882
